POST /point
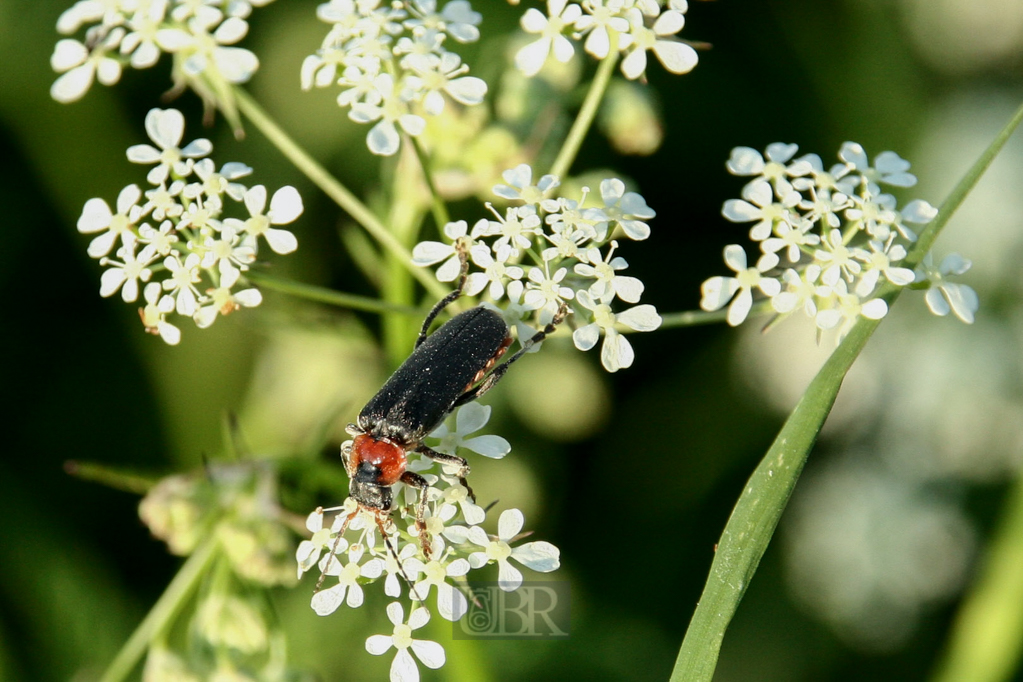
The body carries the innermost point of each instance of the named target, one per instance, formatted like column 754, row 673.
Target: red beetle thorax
column 384, row 454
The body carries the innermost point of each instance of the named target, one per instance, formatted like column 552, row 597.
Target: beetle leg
column 495, row 376
column 416, row 481
column 346, row 458
column 461, row 463
column 450, row 298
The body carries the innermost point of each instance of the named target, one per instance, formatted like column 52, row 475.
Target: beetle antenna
column 333, row 550
column 394, row 555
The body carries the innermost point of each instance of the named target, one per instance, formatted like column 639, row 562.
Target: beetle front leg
column 416, row 481
column 461, row 463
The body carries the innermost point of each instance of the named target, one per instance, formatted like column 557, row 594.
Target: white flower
column 838, row 260
column 608, row 283
column 79, row 66
column 457, row 19
column 718, row 291
column 403, row 668
column 800, row 291
column 158, row 241
column 627, row 209
column 540, row 556
column 166, row 128
column 546, row 291
column 520, row 185
column 223, row 301
column 451, row 603
column 285, row 207
column 470, row 418
column 943, row 295
column 675, row 56
column 616, row 352
column 888, row 168
column 748, row 161
column 348, row 590
column 308, row 552
column 496, row 270
column 758, row 204
column 600, row 18
column 516, row 227
column 436, row 76
column 209, row 52
column 154, row 315
column 181, row 284
column 127, row 274
column 383, row 138
column 879, row 261
column 847, row 309
column 430, row 253
column 97, row 217
column 560, row 17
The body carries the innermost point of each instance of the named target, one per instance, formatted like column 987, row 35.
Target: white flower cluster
column 563, row 238
column 200, row 35
column 177, row 231
column 391, row 64
column 840, row 236
column 638, row 26
column 457, row 544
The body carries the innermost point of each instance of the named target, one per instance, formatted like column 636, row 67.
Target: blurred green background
column 631, row 475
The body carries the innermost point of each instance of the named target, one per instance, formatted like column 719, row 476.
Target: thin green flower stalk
column 330, row 186
column 756, row 514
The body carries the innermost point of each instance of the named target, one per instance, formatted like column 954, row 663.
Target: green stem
column 588, row 112
column 693, row 318
column 334, row 189
column 340, row 299
column 166, row 608
column 750, row 527
column 988, row 632
column 437, row 205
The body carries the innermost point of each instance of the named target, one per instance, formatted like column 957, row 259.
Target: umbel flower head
column 176, row 241
column 829, row 239
column 545, row 250
column 392, row 67
column 200, row 35
column 632, row 27
column 362, row 546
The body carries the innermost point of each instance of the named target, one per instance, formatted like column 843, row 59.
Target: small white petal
column 430, row 653
column 378, row 644
column 281, row 241
column 540, row 556
column 285, row 206
column 403, row 667
column 676, row 57
column 325, row 602
column 509, row 578
column 510, row 524
column 642, row 318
